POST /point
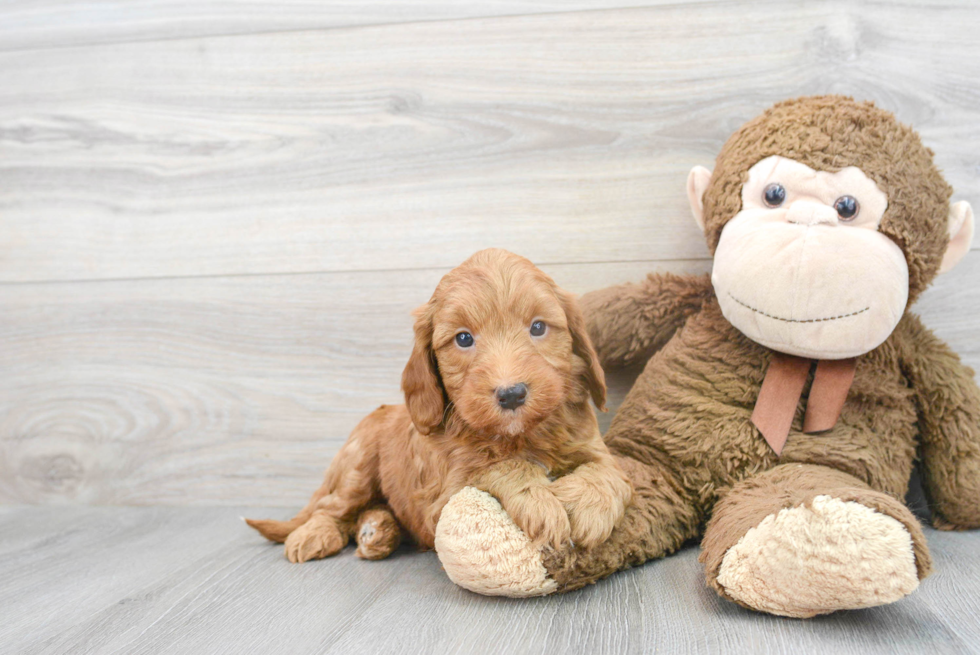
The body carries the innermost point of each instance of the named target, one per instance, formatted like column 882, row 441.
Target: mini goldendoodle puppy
column 497, row 397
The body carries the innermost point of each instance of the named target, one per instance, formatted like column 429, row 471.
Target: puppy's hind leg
column 377, row 533
column 324, row 526
column 334, row 514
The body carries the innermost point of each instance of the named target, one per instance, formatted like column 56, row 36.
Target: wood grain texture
column 566, row 136
column 204, row 390
column 187, row 580
column 236, row 390
column 209, row 246
column 34, row 24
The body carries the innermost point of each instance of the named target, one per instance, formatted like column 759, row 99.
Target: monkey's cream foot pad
column 483, row 550
column 830, row 556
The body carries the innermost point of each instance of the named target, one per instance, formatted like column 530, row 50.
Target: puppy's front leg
column 524, row 491
column 595, row 496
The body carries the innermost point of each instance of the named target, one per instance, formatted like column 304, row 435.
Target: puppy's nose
column 512, row 397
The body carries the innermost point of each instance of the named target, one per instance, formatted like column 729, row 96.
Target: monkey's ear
column 594, row 378
column 697, row 184
column 960, row 234
column 420, row 379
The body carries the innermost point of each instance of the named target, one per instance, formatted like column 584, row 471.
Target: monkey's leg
column 377, row 533
column 484, row 551
column 801, row 540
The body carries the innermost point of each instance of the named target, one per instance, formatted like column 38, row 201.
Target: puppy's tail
column 279, row 530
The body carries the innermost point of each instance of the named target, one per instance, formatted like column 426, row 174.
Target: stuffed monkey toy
column 787, row 397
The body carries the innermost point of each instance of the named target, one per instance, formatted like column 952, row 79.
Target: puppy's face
column 503, row 344
column 503, row 348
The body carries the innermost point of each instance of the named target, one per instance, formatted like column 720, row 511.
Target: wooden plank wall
column 215, row 217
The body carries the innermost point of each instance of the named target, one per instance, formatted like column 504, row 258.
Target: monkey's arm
column 628, row 323
column 949, row 421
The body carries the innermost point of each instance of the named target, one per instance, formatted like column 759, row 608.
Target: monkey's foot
column 819, row 558
column 484, row 551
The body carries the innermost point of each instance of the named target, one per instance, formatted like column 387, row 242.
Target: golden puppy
column 497, row 396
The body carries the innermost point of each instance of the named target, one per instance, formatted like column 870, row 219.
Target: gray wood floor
column 197, row 580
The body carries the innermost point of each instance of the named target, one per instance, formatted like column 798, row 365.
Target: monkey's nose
column 512, row 397
column 807, row 212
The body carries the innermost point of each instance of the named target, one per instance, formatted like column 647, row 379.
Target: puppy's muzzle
column 512, row 397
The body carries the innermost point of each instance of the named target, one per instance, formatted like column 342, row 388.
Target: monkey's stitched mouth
column 795, row 320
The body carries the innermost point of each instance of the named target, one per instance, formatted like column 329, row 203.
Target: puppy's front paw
column 594, row 508
column 317, row 538
column 540, row 515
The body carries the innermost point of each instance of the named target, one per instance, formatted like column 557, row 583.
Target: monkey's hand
column 523, row 490
column 628, row 323
column 949, row 418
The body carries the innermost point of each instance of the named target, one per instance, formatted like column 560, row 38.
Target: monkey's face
column 817, row 263
column 803, row 269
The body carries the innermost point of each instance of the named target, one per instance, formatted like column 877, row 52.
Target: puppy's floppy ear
column 595, row 379
column 420, row 380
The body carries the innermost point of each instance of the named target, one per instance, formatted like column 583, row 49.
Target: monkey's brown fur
column 698, row 465
column 412, row 458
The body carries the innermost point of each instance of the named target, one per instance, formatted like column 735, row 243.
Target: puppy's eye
column 464, row 340
column 847, row 207
column 538, row 328
column 774, row 195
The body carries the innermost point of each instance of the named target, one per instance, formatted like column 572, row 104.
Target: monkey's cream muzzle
column 826, row 292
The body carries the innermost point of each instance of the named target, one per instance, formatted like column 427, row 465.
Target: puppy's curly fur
column 544, row 460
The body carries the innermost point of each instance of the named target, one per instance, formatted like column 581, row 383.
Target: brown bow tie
column 783, row 386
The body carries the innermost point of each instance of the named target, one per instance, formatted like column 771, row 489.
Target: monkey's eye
column 538, row 328
column 464, row 339
column 774, row 195
column 847, row 207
